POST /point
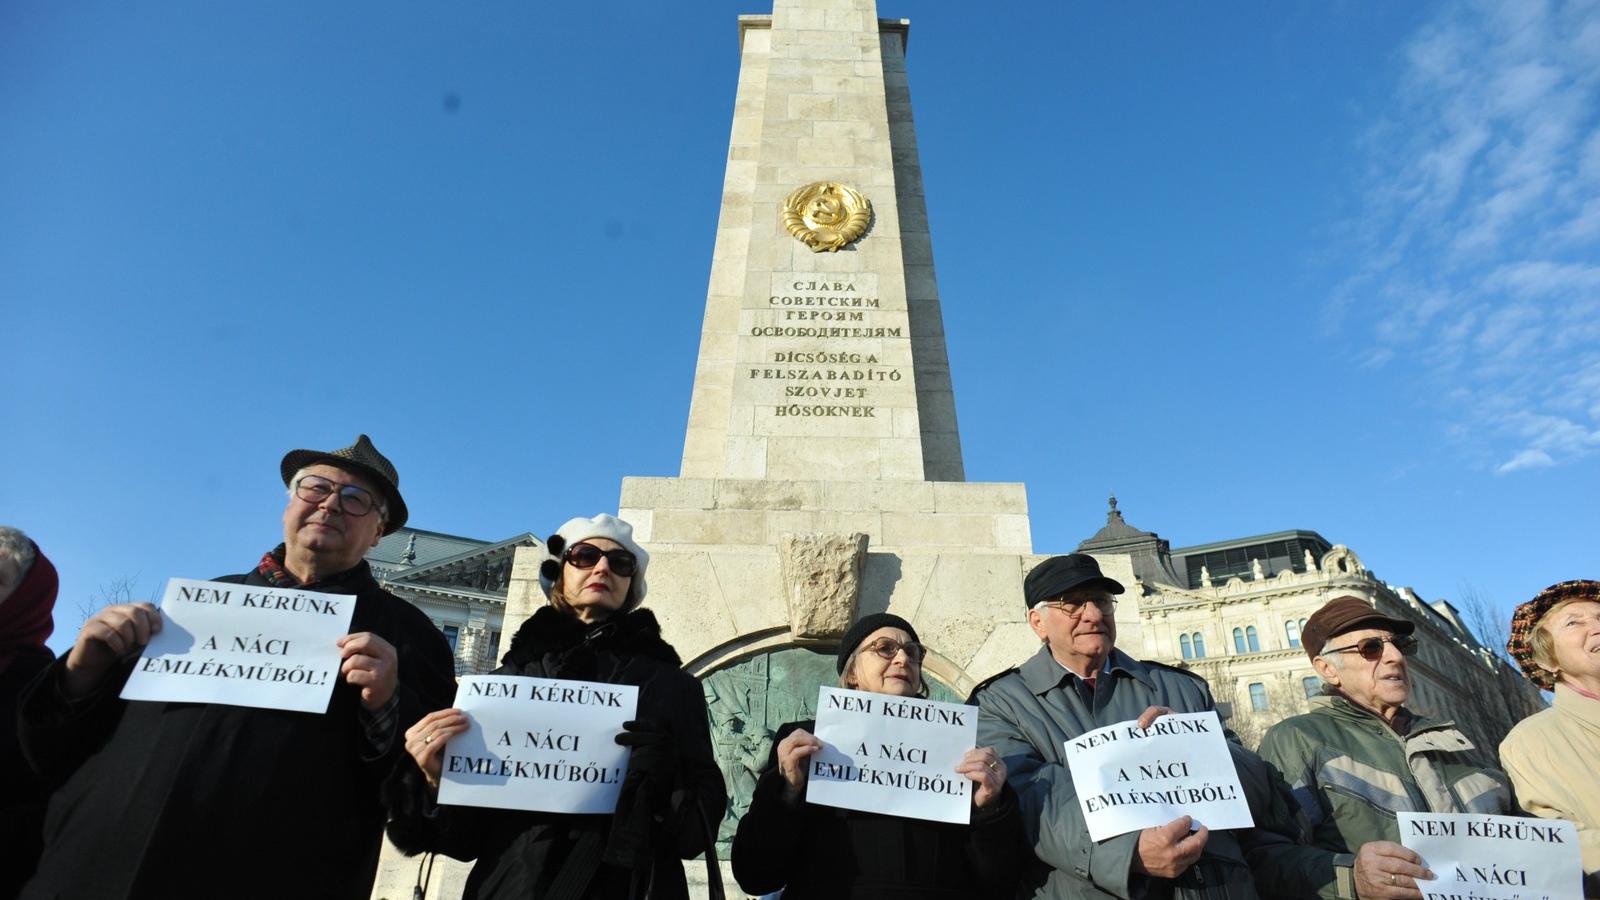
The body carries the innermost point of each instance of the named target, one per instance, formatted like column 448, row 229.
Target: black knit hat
column 867, row 625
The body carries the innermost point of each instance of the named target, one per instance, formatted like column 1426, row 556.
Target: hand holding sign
column 987, row 771
column 426, row 741
column 369, row 662
column 793, row 751
column 1166, row 851
column 111, row 635
column 1387, row 871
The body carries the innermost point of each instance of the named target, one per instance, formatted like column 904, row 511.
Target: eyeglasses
column 1073, row 609
column 1371, row 649
column 353, row 501
column 889, row 648
column 587, row 556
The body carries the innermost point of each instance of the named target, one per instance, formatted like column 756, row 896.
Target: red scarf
column 25, row 620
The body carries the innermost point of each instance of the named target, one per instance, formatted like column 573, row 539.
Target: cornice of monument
column 901, row 27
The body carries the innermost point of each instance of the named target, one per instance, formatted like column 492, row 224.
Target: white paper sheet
column 1129, row 780
column 892, row 755
column 1494, row 857
column 538, row 743
column 243, row 645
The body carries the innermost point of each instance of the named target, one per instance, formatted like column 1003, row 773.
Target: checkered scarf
column 271, row 568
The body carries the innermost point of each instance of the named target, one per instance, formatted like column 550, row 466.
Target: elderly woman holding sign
column 814, row 851
column 1551, row 755
column 593, row 631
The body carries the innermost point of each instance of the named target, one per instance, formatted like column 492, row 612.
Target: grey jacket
column 1029, row 713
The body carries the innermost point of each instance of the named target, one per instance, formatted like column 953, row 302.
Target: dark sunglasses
column 888, row 648
column 1371, row 649
column 587, row 556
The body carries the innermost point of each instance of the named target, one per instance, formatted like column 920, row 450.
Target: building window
column 1312, row 685
column 1199, row 645
column 1291, row 630
column 494, row 642
column 1183, row 646
column 1252, row 640
column 1238, row 641
column 1258, row 696
column 452, row 633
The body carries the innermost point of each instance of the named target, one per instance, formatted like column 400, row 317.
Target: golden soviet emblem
column 824, row 215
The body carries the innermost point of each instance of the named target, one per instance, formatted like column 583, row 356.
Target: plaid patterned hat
column 363, row 459
column 1527, row 617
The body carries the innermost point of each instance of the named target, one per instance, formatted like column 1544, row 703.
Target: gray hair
column 16, row 555
column 1334, row 659
column 382, row 507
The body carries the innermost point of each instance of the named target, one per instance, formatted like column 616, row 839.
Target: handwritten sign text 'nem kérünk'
column 1130, row 779
column 1480, row 857
column 892, row 755
column 243, row 645
column 539, row 744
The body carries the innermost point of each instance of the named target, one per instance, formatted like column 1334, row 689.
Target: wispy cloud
column 1480, row 228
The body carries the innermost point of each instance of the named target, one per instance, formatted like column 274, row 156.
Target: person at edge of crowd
column 592, row 630
column 1359, row 756
column 814, row 852
column 1080, row 681
column 27, row 597
column 209, row 800
column 1551, row 755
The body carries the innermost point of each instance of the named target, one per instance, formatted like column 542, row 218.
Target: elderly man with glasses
column 1080, row 681
column 210, row 800
column 1360, row 756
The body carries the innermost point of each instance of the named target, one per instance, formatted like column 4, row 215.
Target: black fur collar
column 549, row 630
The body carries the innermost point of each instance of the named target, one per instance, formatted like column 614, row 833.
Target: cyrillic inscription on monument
column 830, row 350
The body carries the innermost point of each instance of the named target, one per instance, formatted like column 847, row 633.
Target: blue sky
column 1250, row 266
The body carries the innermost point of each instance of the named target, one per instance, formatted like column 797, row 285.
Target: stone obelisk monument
column 822, row 474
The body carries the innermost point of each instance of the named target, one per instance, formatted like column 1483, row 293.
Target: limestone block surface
column 821, row 581
column 879, row 496
column 967, row 595
column 751, row 584
column 1009, row 644
column 667, row 493
column 980, row 497
column 688, row 601
column 966, row 530
column 738, row 493
column 896, row 582
column 708, row 526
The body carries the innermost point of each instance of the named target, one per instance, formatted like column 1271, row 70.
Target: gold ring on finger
column 993, row 766
column 428, row 739
column 1393, row 879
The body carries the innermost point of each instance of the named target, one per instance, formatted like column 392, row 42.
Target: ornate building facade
column 460, row 582
column 1233, row 611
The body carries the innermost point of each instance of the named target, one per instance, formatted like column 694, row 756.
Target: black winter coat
column 168, row 800
column 818, row 852
column 22, row 795
column 662, row 816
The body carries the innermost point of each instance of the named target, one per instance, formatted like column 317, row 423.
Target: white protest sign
column 1494, row 857
column 538, row 743
column 243, row 645
column 1129, row 780
column 892, row 755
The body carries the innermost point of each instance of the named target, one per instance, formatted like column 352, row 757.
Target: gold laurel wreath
column 820, row 236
